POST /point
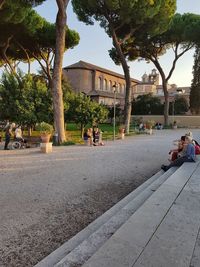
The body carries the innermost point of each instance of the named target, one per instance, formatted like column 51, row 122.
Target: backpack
column 197, row 150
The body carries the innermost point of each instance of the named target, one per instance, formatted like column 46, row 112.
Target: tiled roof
column 84, row 65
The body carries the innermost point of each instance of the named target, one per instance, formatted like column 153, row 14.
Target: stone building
column 97, row 82
column 150, row 84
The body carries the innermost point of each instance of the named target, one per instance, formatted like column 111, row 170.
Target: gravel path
column 47, row 198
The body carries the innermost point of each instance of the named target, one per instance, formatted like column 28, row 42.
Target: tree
column 147, row 104
column 180, row 37
column 26, row 102
column 195, row 86
column 35, row 38
column 122, row 20
column 180, row 105
column 57, row 70
column 118, row 112
column 83, row 111
column 13, row 14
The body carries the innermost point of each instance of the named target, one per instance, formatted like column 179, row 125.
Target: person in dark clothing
column 8, row 134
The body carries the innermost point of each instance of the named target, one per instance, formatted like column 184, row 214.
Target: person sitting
column 96, row 135
column 188, row 157
column 18, row 134
column 180, row 151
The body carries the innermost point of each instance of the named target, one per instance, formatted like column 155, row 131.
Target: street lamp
column 114, row 107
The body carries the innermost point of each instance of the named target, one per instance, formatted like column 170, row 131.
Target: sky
column 94, row 45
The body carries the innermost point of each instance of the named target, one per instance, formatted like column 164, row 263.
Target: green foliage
column 24, row 35
column 147, row 104
column 44, row 128
column 25, row 100
column 195, row 87
column 180, row 106
column 126, row 16
column 68, row 143
column 83, row 110
column 118, row 111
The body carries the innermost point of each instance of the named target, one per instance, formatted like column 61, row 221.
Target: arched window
column 124, row 88
column 105, row 85
column 99, row 83
column 120, row 88
column 110, row 86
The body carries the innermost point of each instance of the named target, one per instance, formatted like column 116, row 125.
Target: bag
column 197, row 150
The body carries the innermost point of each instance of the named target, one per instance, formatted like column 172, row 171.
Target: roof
column 84, row 65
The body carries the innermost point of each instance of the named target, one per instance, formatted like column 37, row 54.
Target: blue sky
column 94, row 45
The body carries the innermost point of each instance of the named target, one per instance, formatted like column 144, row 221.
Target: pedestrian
column 86, row 137
column 8, row 134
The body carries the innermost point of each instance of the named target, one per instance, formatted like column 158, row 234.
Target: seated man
column 18, row 134
column 188, row 157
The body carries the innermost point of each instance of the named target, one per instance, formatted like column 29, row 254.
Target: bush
column 44, row 128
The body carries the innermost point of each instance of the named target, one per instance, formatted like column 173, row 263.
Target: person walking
column 8, row 134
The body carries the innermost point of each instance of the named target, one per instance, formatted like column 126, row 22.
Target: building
column 97, row 82
column 150, row 84
column 100, row 84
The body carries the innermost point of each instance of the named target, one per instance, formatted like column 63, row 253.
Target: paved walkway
column 38, row 192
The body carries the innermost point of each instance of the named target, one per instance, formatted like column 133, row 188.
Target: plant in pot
column 45, row 130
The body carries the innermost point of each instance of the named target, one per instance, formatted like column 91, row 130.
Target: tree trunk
column 166, row 105
column 29, row 131
column 127, row 106
column 57, row 70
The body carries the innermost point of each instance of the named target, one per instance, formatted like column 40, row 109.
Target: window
column 105, row 85
column 123, row 88
column 110, row 86
column 120, row 88
column 99, row 83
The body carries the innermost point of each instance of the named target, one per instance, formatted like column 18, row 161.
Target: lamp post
column 114, row 110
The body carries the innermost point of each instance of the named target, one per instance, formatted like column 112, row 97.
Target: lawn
column 73, row 133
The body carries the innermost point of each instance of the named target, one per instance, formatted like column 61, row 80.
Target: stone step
column 68, row 246
column 106, row 229
column 134, row 243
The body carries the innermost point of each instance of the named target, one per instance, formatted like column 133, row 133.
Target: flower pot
column 45, row 138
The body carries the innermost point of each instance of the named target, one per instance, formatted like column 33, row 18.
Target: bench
column 33, row 141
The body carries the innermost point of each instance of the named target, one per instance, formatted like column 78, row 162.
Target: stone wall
column 182, row 121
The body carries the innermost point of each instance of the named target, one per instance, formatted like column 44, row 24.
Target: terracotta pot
column 45, row 138
column 121, row 130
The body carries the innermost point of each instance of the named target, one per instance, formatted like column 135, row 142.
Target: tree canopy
column 195, row 86
column 179, row 37
column 123, row 20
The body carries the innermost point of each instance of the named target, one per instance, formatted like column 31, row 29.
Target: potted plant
column 45, row 130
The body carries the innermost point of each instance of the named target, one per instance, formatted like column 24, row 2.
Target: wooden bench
column 33, row 141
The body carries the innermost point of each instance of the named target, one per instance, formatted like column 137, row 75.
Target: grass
column 73, row 133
